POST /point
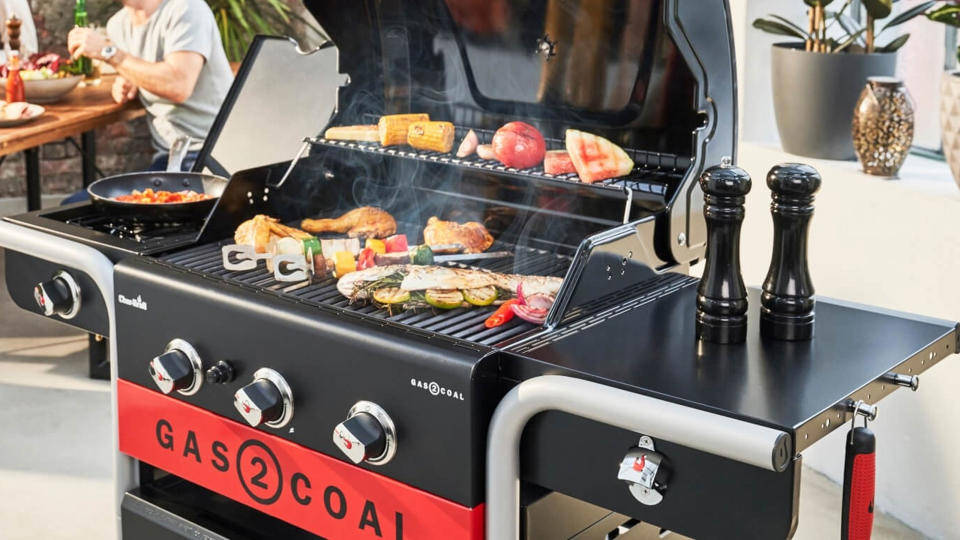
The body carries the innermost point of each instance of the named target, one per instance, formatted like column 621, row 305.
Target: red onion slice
column 539, row 301
column 530, row 314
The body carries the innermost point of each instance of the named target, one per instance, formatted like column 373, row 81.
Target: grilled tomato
column 519, row 145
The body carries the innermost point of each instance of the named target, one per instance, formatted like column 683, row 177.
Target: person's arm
column 173, row 78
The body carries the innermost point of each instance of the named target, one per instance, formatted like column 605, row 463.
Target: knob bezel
column 74, row 288
column 389, row 429
column 285, row 393
column 192, row 355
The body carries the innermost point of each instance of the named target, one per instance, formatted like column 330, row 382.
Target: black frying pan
column 102, row 193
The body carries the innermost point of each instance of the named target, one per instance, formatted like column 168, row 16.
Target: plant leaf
column 800, row 31
column 878, row 9
column 776, row 27
column 947, row 14
column 851, row 39
column 850, row 26
column 908, row 14
column 895, row 44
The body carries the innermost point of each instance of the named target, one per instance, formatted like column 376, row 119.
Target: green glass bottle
column 84, row 65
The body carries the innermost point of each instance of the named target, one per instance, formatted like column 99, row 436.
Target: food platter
column 31, row 112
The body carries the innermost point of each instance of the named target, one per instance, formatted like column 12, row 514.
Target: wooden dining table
column 79, row 113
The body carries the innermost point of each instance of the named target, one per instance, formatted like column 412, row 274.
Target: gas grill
column 248, row 407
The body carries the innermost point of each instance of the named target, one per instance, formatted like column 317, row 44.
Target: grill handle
column 741, row 441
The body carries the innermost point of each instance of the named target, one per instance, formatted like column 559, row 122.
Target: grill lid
column 267, row 114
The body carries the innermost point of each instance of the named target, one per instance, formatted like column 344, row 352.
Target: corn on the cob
column 435, row 136
column 393, row 127
column 353, row 133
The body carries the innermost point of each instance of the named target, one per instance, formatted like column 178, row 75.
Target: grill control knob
column 178, row 368
column 59, row 296
column 367, row 435
column 267, row 400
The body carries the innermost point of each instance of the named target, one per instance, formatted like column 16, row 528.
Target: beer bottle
column 80, row 21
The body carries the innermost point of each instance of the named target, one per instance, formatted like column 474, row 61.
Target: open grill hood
column 647, row 74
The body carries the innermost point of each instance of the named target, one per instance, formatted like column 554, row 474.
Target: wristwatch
column 108, row 52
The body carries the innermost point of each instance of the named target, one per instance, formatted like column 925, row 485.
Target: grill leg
column 31, row 158
column 99, row 360
column 88, row 157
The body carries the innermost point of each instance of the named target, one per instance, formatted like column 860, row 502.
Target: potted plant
column 818, row 77
column 240, row 20
column 948, row 13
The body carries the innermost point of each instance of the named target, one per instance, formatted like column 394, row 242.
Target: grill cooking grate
column 655, row 172
column 461, row 323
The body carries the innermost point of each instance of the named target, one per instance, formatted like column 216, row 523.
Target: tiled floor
column 55, row 443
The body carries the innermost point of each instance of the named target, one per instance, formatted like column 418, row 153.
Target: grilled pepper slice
column 482, row 296
column 343, row 263
column 366, row 259
column 423, row 255
column 376, row 245
column 444, row 299
column 503, row 314
column 391, row 295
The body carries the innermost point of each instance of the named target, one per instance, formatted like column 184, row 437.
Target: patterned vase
column 883, row 126
column 950, row 121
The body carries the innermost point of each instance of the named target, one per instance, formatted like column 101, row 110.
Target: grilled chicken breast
column 261, row 231
column 472, row 235
column 363, row 222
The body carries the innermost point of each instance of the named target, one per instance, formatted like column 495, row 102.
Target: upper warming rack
column 655, row 172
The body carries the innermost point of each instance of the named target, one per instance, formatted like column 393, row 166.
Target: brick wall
column 121, row 147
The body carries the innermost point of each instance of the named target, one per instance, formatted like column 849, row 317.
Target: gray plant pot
column 814, row 95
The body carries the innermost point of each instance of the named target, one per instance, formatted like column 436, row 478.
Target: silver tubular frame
column 727, row 437
column 86, row 259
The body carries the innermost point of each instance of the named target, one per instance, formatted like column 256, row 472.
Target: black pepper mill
column 786, row 311
column 722, row 298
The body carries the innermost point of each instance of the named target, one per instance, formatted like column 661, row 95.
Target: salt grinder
column 722, row 298
column 787, row 303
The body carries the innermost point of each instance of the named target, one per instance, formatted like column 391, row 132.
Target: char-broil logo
column 132, row 302
column 436, row 389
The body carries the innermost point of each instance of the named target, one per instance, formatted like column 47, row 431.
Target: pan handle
column 178, row 152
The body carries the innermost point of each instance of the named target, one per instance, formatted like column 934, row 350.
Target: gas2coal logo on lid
column 436, row 389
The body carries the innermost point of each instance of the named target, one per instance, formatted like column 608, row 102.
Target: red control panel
column 313, row 491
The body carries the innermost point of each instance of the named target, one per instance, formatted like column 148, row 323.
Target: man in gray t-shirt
column 169, row 53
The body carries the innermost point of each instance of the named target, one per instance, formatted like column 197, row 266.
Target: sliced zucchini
column 482, row 296
column 391, row 295
column 444, row 299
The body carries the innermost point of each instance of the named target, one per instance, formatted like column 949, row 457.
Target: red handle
column 859, row 484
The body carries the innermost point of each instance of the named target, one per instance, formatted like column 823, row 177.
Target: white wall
column 894, row 244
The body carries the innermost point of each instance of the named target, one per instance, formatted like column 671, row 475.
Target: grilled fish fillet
column 363, row 222
column 419, row 278
column 472, row 235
